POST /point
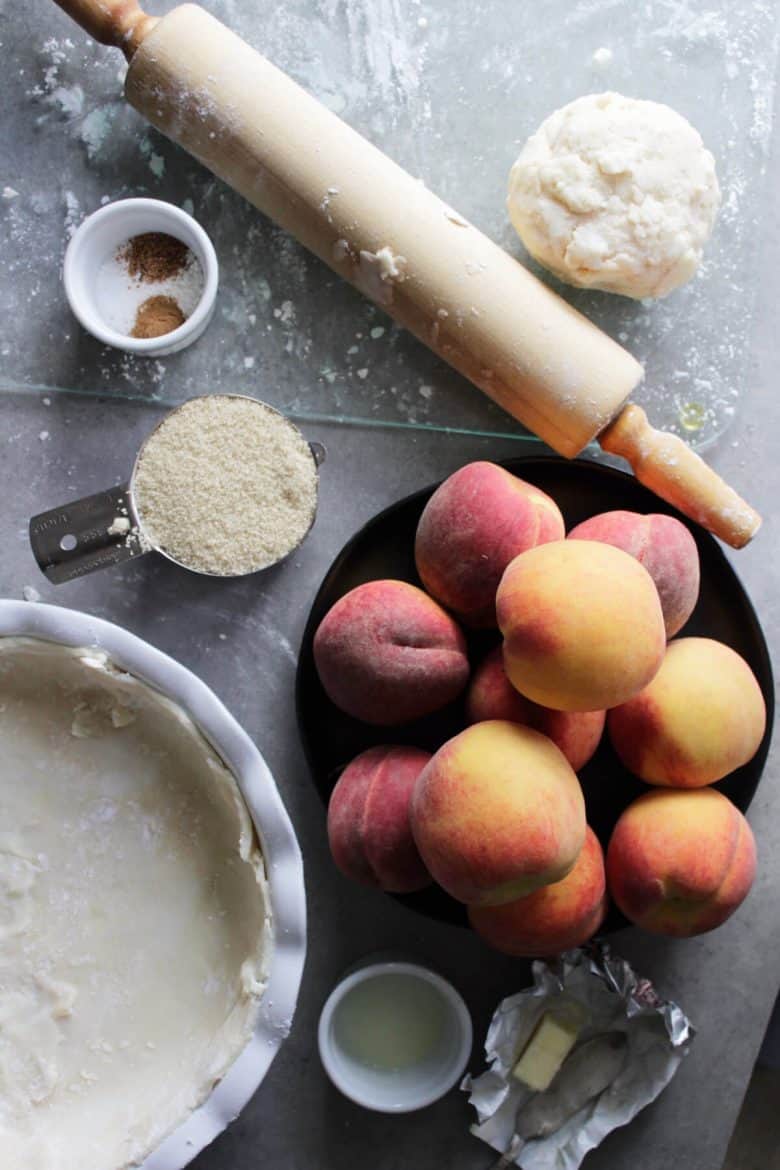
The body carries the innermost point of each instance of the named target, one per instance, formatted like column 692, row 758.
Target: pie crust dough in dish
column 135, row 933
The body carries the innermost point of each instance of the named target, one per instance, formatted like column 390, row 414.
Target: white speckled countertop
column 451, row 90
column 302, row 349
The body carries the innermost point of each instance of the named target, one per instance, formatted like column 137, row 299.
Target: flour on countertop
column 425, row 96
column 601, row 58
column 285, row 313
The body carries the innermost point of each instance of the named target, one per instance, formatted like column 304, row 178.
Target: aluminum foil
column 658, row 1032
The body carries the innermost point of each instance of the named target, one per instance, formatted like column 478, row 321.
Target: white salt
column 119, row 295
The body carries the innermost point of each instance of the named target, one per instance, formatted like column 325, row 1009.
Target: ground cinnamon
column 157, row 316
column 154, row 256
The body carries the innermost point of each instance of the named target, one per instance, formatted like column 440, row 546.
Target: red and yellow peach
column 386, row 653
column 368, row 819
column 492, row 696
column 582, row 625
column 497, row 812
column 554, row 918
column 680, row 862
column 474, row 524
column 702, row 716
column 666, row 549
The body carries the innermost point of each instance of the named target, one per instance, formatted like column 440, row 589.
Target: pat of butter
column 551, row 1042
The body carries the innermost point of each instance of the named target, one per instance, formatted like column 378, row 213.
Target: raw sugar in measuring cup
column 224, row 486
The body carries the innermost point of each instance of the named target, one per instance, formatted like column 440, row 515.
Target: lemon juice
column 392, row 1023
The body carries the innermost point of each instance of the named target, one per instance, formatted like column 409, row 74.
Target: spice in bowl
column 225, row 485
column 150, row 285
column 157, row 316
column 154, row 256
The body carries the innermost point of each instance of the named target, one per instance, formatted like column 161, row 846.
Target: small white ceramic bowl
column 99, row 237
column 396, row 1091
column 277, row 838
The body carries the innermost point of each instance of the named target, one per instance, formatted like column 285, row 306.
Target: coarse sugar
column 225, row 485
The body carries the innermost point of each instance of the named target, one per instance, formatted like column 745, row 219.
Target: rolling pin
column 431, row 270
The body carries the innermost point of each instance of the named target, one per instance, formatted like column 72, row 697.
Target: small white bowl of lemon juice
column 394, row 1036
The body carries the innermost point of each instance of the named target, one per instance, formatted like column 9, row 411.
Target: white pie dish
column 274, row 831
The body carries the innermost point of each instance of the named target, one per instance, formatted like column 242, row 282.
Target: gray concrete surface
column 726, row 981
column 754, row 1145
column 770, row 1051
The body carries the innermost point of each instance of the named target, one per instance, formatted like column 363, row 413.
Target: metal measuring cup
column 105, row 529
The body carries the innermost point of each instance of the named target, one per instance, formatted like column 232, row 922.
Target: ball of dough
column 617, row 194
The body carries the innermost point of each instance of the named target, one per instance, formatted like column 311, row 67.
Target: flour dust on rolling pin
column 381, row 229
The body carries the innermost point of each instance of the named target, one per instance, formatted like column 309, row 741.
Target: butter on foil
column 658, row 1036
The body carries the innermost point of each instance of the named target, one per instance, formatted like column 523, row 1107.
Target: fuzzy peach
column 368, row 819
column 492, row 696
column 474, row 524
column 582, row 625
column 554, row 918
column 680, row 863
column 386, row 653
column 702, row 716
column 666, row 549
column 497, row 812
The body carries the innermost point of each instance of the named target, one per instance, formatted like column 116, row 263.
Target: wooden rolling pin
column 379, row 228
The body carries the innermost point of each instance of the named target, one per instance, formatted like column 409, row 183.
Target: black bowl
column 385, row 548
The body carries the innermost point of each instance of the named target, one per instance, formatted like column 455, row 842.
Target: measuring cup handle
column 89, row 534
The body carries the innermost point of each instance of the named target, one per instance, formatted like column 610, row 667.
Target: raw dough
column 378, row 272
column 617, row 194
column 134, row 924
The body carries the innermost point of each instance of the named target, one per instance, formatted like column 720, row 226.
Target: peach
column 386, row 653
column 492, row 696
column 702, row 716
column 368, row 820
column 497, row 812
column 680, row 863
column 666, row 549
column 554, row 918
column 582, row 625
column 474, row 524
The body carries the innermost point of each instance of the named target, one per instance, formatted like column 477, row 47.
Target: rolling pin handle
column 668, row 466
column 121, row 23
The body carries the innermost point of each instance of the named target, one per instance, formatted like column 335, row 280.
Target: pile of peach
column 497, row 815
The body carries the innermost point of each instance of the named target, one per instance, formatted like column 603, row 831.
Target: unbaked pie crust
column 134, row 919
